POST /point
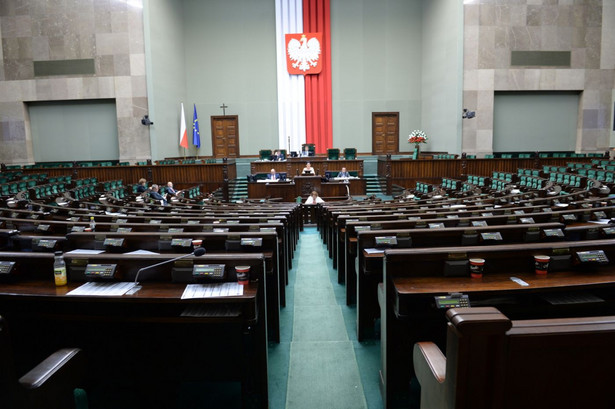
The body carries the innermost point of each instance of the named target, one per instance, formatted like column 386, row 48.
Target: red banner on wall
column 304, row 53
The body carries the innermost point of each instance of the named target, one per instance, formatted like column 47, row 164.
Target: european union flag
column 196, row 135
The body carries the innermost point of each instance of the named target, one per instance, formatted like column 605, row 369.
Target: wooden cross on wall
column 223, row 106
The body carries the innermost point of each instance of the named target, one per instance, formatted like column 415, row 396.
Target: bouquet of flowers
column 417, row 137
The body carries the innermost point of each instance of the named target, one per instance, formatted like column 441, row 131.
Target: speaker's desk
column 302, row 186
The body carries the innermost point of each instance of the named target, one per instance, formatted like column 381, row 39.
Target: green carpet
column 322, row 369
column 324, row 375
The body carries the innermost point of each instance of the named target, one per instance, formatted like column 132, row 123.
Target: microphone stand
column 198, row 252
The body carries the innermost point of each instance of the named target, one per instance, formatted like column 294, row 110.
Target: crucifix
column 223, row 106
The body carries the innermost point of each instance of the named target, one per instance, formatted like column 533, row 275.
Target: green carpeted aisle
column 318, row 362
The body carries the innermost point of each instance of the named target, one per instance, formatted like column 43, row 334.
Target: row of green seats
column 62, row 179
column 85, row 181
column 475, row 180
column 445, row 156
column 12, row 188
column 10, row 176
column 110, row 185
column 48, row 191
column 528, row 172
column 83, row 191
column 119, row 193
column 532, row 182
column 505, row 176
column 499, row 184
column 556, row 169
column 452, row 184
column 606, row 176
column 567, row 179
column 422, row 187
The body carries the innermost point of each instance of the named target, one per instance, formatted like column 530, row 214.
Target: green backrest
column 264, row 154
column 333, row 154
column 350, row 153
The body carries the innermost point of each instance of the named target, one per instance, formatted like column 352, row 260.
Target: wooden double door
column 385, row 133
column 225, row 136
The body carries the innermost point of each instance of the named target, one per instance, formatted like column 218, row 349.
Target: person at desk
column 157, row 196
column 171, row 192
column 314, row 198
column 308, row 170
column 142, row 188
column 343, row 173
column 273, row 175
column 278, row 156
column 305, row 151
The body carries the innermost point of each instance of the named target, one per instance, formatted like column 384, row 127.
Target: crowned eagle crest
column 304, row 53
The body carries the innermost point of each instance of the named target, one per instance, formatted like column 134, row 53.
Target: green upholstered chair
column 350, row 153
column 333, row 154
column 264, row 154
column 310, row 147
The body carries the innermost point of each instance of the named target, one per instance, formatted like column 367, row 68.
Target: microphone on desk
column 198, row 252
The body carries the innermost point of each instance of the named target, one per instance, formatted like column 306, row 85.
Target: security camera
column 146, row 121
column 468, row 114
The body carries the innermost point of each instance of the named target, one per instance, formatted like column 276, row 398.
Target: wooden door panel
column 385, row 133
column 225, row 132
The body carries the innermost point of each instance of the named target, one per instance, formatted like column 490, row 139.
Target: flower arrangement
column 417, row 137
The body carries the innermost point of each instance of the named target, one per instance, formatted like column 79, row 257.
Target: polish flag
column 183, row 135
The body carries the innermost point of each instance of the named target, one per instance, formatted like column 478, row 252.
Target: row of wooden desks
column 152, row 340
column 413, row 277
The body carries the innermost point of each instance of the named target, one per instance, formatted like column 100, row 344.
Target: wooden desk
column 147, row 342
column 369, row 265
column 303, row 186
column 413, row 277
column 294, row 166
column 214, row 243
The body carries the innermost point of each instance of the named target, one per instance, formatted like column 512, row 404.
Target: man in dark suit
column 157, row 196
column 278, row 155
column 343, row 174
column 273, row 175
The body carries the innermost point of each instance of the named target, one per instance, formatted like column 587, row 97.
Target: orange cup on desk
column 243, row 274
column 477, row 265
column 541, row 264
column 197, row 243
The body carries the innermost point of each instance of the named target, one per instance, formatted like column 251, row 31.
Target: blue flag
column 196, row 135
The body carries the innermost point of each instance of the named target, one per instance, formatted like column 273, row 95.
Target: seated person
column 171, row 192
column 142, row 186
column 343, row 173
column 277, row 155
column 305, row 151
column 273, row 175
column 157, row 196
column 314, row 198
column 308, row 170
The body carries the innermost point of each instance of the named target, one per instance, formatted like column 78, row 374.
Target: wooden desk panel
column 303, row 186
column 413, row 277
column 143, row 340
column 294, row 166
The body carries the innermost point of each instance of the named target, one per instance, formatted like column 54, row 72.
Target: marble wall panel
column 539, row 25
column 111, row 32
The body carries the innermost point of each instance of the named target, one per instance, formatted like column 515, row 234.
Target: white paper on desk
column 103, row 289
column 141, row 252
column 212, row 290
column 601, row 221
column 374, row 251
column 84, row 251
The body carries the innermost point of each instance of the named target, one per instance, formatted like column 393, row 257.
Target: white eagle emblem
column 304, row 53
